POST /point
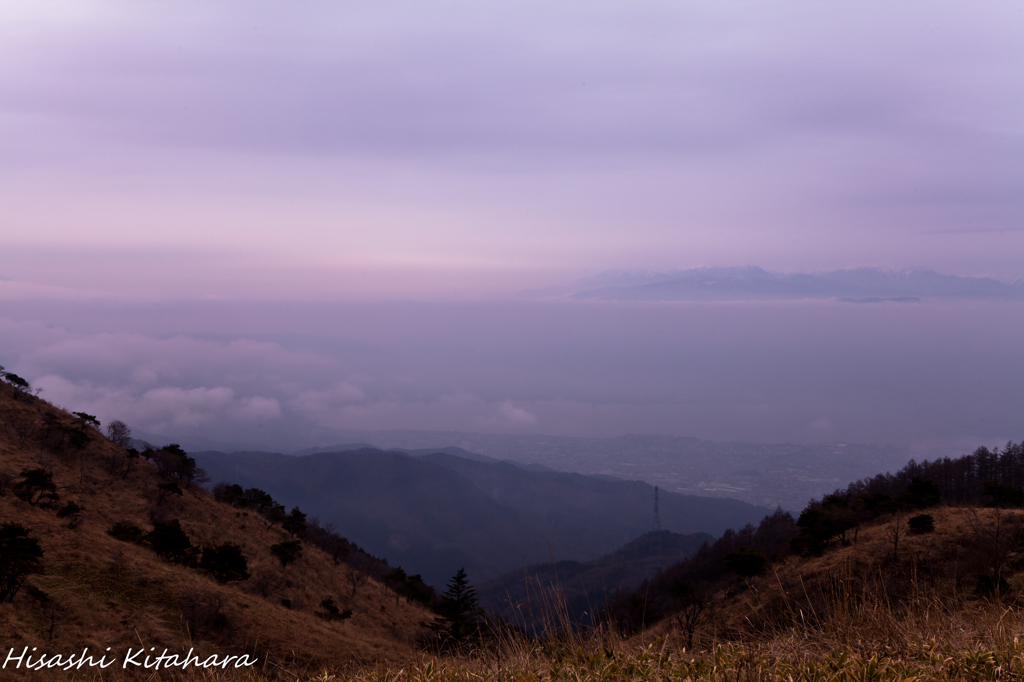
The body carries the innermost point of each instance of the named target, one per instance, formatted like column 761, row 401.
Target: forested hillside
column 955, row 525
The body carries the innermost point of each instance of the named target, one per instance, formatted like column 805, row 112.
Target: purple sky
column 334, row 154
column 470, row 145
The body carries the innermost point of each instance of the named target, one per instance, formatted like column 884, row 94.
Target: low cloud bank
column 936, row 374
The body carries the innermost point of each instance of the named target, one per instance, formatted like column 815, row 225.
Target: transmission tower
column 656, row 548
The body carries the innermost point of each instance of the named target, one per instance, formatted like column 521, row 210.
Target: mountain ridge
column 435, row 514
column 754, row 283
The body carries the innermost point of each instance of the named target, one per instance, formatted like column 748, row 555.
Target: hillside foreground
column 886, row 605
column 881, row 605
column 95, row 591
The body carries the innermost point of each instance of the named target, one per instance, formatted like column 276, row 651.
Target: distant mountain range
column 860, row 285
column 762, row 474
column 435, row 513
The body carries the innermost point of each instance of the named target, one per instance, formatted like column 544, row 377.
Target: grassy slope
column 858, row 613
column 865, row 599
column 159, row 604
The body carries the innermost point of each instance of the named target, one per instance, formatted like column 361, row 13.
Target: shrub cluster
column 20, row 556
column 225, row 562
column 411, row 587
column 174, row 464
column 330, row 611
column 37, row 487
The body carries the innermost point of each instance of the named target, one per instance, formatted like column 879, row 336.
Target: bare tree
column 894, row 533
column 119, row 434
column 359, row 573
column 202, row 611
column 695, row 608
column 357, row 577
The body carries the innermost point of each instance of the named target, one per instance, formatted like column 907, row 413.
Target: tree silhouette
column 821, row 522
column 119, row 434
column 36, row 487
column 459, row 611
column 19, row 557
column 169, row 541
column 746, row 561
column 254, row 498
column 295, row 523
column 922, row 493
column 174, row 463
column 275, row 513
column 921, row 524
column 331, row 610
column 692, row 607
column 20, row 385
column 225, row 563
column 87, row 419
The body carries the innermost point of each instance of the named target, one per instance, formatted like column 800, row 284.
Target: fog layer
column 937, row 376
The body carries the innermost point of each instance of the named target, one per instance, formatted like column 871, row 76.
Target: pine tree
column 295, row 523
column 459, row 611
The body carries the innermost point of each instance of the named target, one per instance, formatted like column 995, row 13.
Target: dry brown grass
column 866, row 598
column 104, row 592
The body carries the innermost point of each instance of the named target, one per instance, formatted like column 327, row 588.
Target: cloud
column 320, row 405
column 139, row 359
column 161, row 409
column 158, row 384
column 820, row 425
column 515, row 415
column 761, row 372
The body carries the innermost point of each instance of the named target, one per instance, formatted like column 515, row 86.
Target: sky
column 258, row 215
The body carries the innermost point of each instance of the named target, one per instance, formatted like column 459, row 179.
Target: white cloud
column 515, row 415
column 319, row 405
column 162, row 408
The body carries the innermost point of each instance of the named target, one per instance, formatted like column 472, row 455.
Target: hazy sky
column 369, row 148
column 429, row 157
